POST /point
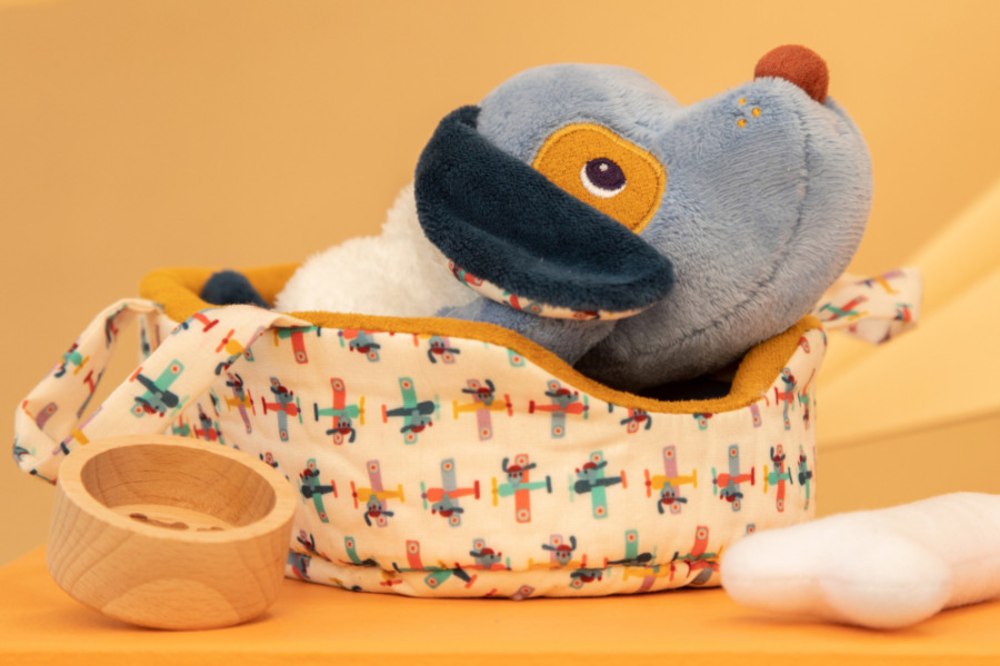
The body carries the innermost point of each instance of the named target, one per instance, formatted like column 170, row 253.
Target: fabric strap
column 49, row 422
column 873, row 309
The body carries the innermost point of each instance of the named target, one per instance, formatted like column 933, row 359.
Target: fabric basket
column 438, row 457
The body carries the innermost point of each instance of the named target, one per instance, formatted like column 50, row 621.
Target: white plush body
column 398, row 273
column 882, row 569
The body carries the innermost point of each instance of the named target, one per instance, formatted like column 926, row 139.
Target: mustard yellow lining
column 177, row 289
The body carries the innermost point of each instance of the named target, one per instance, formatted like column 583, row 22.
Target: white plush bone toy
column 881, row 569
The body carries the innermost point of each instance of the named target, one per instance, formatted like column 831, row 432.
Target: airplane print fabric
column 875, row 309
column 448, row 466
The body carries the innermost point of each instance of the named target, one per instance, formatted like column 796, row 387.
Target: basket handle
column 48, row 423
column 875, row 309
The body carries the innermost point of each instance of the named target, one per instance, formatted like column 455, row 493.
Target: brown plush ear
column 799, row 65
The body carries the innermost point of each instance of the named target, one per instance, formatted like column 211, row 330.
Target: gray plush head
column 757, row 198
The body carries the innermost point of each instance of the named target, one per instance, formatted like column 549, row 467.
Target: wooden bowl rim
column 71, row 483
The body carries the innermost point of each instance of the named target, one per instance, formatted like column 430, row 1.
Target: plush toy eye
column 602, row 177
column 604, row 170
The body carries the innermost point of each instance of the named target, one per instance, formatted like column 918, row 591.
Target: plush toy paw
column 881, row 569
column 231, row 288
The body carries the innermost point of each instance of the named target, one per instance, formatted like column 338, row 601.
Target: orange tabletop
column 311, row 624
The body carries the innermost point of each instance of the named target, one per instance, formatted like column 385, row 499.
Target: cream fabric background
column 270, row 130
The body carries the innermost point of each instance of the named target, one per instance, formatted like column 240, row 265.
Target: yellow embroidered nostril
column 604, row 170
column 741, row 122
column 755, row 111
column 742, row 101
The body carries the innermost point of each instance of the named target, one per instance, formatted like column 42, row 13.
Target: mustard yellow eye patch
column 604, row 170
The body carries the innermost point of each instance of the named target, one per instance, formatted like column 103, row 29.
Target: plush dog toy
column 642, row 241
column 645, row 243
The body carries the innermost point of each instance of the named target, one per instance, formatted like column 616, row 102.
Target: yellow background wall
column 262, row 131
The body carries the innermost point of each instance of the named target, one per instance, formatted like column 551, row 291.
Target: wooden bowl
column 169, row 532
